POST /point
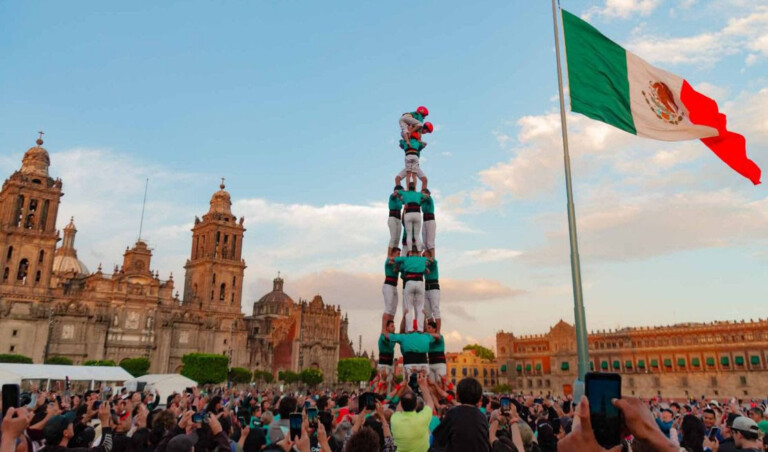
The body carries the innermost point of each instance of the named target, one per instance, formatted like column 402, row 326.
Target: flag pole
column 580, row 320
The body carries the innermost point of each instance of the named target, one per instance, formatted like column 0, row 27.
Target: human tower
column 412, row 216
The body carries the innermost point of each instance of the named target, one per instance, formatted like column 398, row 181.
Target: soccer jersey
column 411, row 197
column 428, row 206
column 395, row 203
column 386, row 346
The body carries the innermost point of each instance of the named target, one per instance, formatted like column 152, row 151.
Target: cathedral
column 52, row 305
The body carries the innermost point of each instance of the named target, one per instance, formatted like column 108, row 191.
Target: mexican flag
column 619, row 88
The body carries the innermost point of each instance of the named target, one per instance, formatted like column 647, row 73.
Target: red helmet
column 428, row 127
column 422, row 111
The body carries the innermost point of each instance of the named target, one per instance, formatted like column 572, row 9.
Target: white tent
column 164, row 384
column 16, row 373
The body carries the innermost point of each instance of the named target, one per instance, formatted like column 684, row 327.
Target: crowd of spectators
column 417, row 416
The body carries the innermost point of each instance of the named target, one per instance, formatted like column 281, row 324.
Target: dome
column 36, row 161
column 277, row 295
column 69, row 264
column 221, row 201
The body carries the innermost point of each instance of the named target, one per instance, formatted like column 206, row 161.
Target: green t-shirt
column 395, row 203
column 417, row 116
column 412, row 264
column 437, row 345
column 413, row 342
column 433, row 273
column 386, row 346
column 389, row 270
column 414, row 144
column 412, row 196
column 428, row 206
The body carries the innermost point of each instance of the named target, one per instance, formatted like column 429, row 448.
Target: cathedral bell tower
column 29, row 203
column 214, row 271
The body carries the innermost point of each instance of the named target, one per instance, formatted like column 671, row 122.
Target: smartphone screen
column 369, row 401
column 312, row 417
column 96, row 404
column 505, row 403
column 601, row 389
column 713, row 433
column 242, row 422
column 295, row 421
column 10, row 397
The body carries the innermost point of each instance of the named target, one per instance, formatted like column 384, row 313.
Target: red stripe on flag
column 730, row 147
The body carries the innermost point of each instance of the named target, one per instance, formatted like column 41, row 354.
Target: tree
column 502, row 389
column 205, row 368
column 354, row 370
column 61, row 360
column 263, row 375
column 100, row 362
column 240, row 375
column 13, row 358
column 135, row 366
column 288, row 377
column 311, row 377
column 481, row 352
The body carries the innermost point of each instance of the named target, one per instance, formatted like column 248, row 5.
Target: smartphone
column 242, row 421
column 295, row 421
column 312, row 417
column 96, row 404
column 601, row 388
column 713, row 433
column 368, row 401
column 197, row 418
column 10, row 397
column 505, row 403
column 538, row 400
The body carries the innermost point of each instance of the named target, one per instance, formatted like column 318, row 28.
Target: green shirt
column 412, row 264
column 395, row 203
column 433, row 273
column 386, row 346
column 417, row 116
column 428, row 206
column 413, row 342
column 414, row 144
column 437, row 345
column 389, row 270
column 410, row 430
column 412, row 196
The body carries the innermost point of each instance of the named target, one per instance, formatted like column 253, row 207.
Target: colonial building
column 51, row 305
column 286, row 335
column 468, row 364
column 685, row 360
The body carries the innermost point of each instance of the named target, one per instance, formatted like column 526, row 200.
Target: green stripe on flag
column 597, row 74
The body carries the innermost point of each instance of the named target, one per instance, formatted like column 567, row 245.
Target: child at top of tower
column 412, row 122
column 413, row 148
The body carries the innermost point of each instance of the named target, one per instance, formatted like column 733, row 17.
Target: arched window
column 6, row 272
column 30, row 223
column 21, row 274
column 19, row 208
column 40, row 257
column 37, row 277
column 10, row 253
column 44, row 215
column 222, row 291
column 214, row 278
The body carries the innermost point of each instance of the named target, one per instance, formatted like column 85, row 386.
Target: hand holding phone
column 294, row 421
column 601, row 389
column 10, row 397
column 505, row 403
column 312, row 417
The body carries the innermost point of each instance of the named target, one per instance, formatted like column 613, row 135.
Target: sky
column 296, row 105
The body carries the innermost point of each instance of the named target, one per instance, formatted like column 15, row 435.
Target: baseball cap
column 53, row 431
column 714, row 402
column 745, row 424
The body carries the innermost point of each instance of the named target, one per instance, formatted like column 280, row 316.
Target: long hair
column 693, row 432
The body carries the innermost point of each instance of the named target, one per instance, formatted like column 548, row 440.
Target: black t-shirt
column 464, row 429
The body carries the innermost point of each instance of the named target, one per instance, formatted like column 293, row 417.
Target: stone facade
column 685, row 360
column 51, row 305
column 286, row 335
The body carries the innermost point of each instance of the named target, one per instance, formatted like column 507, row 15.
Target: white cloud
column 622, row 9
column 489, row 255
column 455, row 341
column 746, row 33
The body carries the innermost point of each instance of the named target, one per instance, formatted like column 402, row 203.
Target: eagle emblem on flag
column 661, row 99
